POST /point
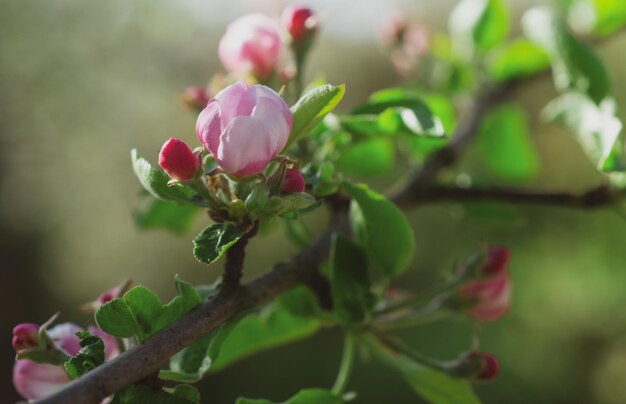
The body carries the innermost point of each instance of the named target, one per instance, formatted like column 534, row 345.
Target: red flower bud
column 497, row 260
column 487, row 365
column 178, row 160
column 293, row 182
column 300, row 22
column 195, row 98
column 25, row 336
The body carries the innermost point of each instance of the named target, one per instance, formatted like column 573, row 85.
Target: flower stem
column 345, row 369
column 399, row 346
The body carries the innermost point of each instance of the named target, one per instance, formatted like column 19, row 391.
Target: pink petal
column 275, row 115
column 251, row 44
column 208, row 126
column 245, row 147
column 34, row 381
column 64, row 336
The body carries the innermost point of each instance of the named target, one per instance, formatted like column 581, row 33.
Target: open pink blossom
column 251, row 44
column 244, row 128
column 35, row 381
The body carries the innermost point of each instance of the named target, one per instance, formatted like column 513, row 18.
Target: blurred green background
column 82, row 83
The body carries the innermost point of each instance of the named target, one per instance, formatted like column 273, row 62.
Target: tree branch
column 599, row 196
column 149, row 357
column 448, row 155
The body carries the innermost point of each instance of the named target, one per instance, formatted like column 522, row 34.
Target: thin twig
column 233, row 266
column 600, row 196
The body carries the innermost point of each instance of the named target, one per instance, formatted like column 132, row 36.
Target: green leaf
column 410, row 115
column 350, row 282
column 212, row 242
column 188, row 298
column 306, row 396
column 115, row 318
column 367, row 158
column 140, row 394
column 478, row 25
column 433, row 385
column 146, row 308
column 505, row 146
column 601, row 17
column 159, row 214
column 293, row 316
column 155, row 181
column 574, row 65
column 610, row 15
column 520, row 58
column 596, row 127
column 312, row 108
column 381, row 228
column 140, row 312
column 439, row 105
column 192, row 364
column 90, row 356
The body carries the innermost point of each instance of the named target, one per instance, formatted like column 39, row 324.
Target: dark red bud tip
column 293, row 182
column 195, row 98
column 489, row 366
column 25, row 336
column 497, row 260
column 300, row 22
column 178, row 160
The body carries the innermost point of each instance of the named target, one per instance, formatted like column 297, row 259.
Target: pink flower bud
column 251, row 45
column 300, row 22
column 488, row 298
column 178, row 160
column 497, row 260
column 244, row 128
column 195, row 98
column 25, row 336
column 487, row 365
column 293, row 182
column 35, row 381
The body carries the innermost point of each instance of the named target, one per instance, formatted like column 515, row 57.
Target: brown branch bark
column 599, row 196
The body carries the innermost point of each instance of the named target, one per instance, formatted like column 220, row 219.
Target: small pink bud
column 178, row 160
column 300, row 22
column 107, row 296
column 25, row 336
column 497, row 260
column 251, row 45
column 487, row 299
column 293, row 182
column 244, row 128
column 195, row 98
column 488, row 366
column 392, row 30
